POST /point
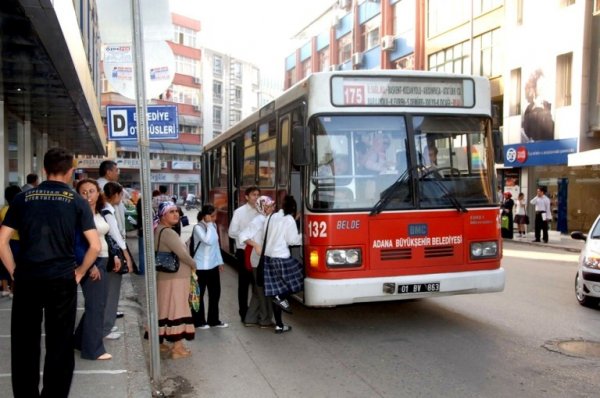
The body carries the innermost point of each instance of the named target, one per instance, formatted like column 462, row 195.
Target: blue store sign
column 122, row 122
column 541, row 153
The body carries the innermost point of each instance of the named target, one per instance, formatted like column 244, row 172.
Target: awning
column 162, row 147
column 585, row 158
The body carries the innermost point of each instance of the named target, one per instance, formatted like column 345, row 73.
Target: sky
column 257, row 31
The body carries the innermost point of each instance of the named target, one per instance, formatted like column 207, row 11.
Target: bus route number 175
column 317, row 229
column 354, row 95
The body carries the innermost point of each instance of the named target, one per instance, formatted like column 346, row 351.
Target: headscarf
column 262, row 203
column 163, row 208
column 508, row 194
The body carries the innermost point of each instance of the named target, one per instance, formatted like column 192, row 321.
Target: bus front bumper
column 331, row 292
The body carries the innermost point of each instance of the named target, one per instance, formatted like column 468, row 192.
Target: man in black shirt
column 47, row 218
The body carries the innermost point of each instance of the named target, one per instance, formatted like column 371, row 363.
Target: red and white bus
column 393, row 172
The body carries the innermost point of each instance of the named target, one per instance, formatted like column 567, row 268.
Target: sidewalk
column 556, row 241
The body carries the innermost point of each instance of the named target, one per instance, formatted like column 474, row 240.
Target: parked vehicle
column 587, row 280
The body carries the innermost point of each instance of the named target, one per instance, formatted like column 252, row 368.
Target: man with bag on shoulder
column 242, row 216
column 45, row 276
column 542, row 214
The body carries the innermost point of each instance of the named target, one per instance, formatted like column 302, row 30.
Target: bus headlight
column 484, row 250
column 342, row 258
column 591, row 262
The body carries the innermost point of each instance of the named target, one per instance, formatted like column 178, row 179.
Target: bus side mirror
column 498, row 143
column 300, row 146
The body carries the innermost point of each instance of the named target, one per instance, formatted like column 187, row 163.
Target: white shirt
column 114, row 228
column 208, row 255
column 520, row 207
column 242, row 216
column 119, row 212
column 541, row 203
column 253, row 231
column 281, row 234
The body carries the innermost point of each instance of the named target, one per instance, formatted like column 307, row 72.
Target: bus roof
column 323, row 103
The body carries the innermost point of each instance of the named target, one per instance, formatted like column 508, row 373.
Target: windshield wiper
column 447, row 194
column 386, row 195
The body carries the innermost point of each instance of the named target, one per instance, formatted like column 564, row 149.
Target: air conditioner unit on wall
column 197, row 80
column 357, row 58
column 197, row 108
column 388, row 43
column 197, row 165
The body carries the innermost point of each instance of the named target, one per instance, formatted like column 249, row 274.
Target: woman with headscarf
column 283, row 274
column 260, row 310
column 507, row 210
column 174, row 314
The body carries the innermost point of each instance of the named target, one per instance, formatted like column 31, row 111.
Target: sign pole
column 144, row 144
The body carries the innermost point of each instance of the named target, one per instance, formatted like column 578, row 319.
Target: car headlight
column 481, row 250
column 343, row 258
column 591, row 262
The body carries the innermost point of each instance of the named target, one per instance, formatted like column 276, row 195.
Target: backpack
column 192, row 246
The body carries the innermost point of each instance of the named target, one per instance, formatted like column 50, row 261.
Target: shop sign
column 175, row 178
column 541, row 153
column 135, row 164
column 182, row 165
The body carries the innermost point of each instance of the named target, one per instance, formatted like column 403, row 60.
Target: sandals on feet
column 282, row 329
column 104, row 357
column 283, row 304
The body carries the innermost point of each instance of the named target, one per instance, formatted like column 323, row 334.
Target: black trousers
column 245, row 279
column 55, row 301
column 541, row 226
column 208, row 280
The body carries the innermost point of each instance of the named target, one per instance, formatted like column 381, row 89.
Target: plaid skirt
column 283, row 275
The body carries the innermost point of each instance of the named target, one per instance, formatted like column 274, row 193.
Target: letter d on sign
column 119, row 123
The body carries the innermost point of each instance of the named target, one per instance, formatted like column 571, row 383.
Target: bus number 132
column 317, row 229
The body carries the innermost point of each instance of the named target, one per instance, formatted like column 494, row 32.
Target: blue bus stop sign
column 122, row 122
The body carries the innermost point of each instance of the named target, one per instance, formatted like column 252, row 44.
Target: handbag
column 260, row 269
column 114, row 251
column 194, row 297
column 165, row 261
column 504, row 222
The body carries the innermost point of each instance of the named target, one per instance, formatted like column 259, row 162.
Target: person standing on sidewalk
column 209, row 265
column 521, row 215
column 242, row 216
column 45, row 278
column 542, row 213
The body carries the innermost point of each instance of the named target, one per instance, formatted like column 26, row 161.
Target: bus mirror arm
column 300, row 146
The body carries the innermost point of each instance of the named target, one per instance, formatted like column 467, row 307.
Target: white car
column 587, row 280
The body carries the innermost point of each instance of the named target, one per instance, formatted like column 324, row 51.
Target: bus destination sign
column 412, row 92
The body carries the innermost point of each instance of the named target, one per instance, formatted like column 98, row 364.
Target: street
column 493, row 345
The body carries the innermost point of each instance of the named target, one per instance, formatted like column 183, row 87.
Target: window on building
column 217, row 66
column 290, row 77
column 324, row 59
column 453, row 60
column 445, row 14
column 184, row 36
column 306, row 67
column 217, row 117
column 189, row 129
column 186, row 66
column 236, row 116
column 404, row 21
column 236, row 71
column 370, row 32
column 564, row 73
column 255, row 77
column 515, row 92
column 345, row 48
column 217, row 91
column 487, row 54
column 238, row 95
column 184, row 95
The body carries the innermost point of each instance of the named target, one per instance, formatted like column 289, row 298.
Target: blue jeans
column 141, row 256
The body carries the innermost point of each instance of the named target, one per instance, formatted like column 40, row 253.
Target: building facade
column 49, row 93
column 230, row 91
column 545, row 81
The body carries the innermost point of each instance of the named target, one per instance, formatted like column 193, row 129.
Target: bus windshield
column 399, row 162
